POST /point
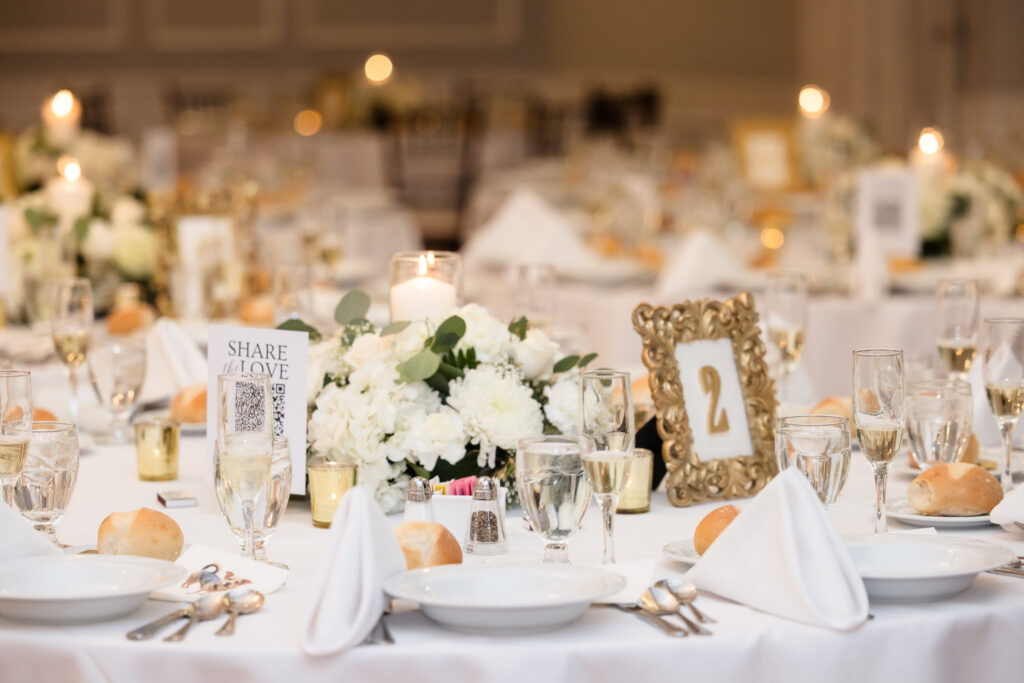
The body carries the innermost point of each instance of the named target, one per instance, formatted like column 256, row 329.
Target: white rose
column 365, row 348
column 409, row 341
column 127, row 211
column 135, row 251
column 535, row 355
column 487, row 335
column 99, row 241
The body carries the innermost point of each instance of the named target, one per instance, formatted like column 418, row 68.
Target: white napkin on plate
column 527, row 229
column 173, row 361
column 20, row 539
column 212, row 566
column 1010, row 510
column 781, row 555
column 347, row 598
column 700, row 261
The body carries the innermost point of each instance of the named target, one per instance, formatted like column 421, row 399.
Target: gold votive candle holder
column 328, row 484
column 636, row 497
column 156, row 448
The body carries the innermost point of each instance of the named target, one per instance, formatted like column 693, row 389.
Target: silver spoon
column 685, row 593
column 210, row 606
column 240, row 601
column 659, row 601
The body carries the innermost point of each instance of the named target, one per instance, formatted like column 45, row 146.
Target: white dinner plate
column 681, row 551
column 918, row 568
column 901, row 510
column 79, row 589
column 504, row 600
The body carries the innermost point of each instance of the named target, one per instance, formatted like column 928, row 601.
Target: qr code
column 277, row 391
column 250, row 407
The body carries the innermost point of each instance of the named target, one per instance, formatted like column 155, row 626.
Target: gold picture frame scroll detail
column 690, row 478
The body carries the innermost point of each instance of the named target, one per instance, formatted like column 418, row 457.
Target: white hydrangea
column 366, row 347
column 408, row 342
column 127, row 211
column 486, row 334
column 438, row 435
column 135, row 250
column 495, row 406
column 325, row 358
column 99, row 241
column 563, row 406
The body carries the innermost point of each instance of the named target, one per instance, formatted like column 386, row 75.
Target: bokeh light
column 378, row 68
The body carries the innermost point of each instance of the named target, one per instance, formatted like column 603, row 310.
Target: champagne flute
column 553, row 488
column 1004, row 380
column 49, row 475
column 879, row 412
column 606, row 414
column 785, row 321
column 15, row 418
column 71, row 318
column 958, row 305
column 245, row 444
column 818, row 446
column 117, row 370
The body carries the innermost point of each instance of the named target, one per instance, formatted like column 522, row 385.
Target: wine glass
column 245, row 445
column 1004, row 380
column 534, row 285
column 818, row 446
column 48, row 478
column 606, row 414
column 785, row 321
column 958, row 305
column 117, row 370
column 15, row 419
column 71, row 318
column 553, row 489
column 939, row 418
column 879, row 412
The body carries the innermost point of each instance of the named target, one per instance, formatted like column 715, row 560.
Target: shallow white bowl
column 78, row 589
column 504, row 600
column 911, row 568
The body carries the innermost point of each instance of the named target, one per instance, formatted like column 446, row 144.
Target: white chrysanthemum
column 437, row 435
column 495, row 406
column 535, row 355
column 486, row 334
column 135, row 250
column 99, row 241
column 563, row 405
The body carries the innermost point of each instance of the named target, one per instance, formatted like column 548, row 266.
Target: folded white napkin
column 173, row 361
column 215, row 570
column 527, row 229
column 781, row 555
column 699, row 262
column 1010, row 510
column 347, row 598
column 20, row 539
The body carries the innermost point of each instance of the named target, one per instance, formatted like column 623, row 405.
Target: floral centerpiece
column 447, row 401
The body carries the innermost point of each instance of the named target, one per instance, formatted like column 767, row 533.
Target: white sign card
column 283, row 355
column 767, row 160
column 202, row 240
column 6, row 272
column 887, row 206
column 714, row 399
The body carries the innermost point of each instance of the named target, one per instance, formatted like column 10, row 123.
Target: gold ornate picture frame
column 731, row 398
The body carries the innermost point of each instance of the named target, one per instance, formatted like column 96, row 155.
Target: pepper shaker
column 418, row 504
column 486, row 532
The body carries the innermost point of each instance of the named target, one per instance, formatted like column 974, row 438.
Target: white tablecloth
column 975, row 636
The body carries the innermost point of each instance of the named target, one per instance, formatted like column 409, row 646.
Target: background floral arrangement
column 450, row 401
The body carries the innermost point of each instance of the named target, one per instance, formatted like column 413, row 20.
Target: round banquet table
column 974, row 636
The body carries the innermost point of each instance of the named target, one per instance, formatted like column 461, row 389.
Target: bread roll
column 129, row 319
column 190, row 404
column 956, row 490
column 972, row 451
column 712, row 525
column 143, row 532
column 427, row 544
column 838, row 406
column 259, row 310
column 867, row 401
column 38, row 414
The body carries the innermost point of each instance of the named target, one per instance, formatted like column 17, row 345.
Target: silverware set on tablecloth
column 206, row 608
column 666, row 598
column 1015, row 568
column 380, row 632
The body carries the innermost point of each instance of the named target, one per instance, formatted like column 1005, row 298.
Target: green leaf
column 444, row 343
column 81, row 228
column 448, row 335
column 394, row 328
column 567, row 363
column 419, row 470
column 352, row 306
column 519, row 327
column 420, row 367
column 40, row 218
column 296, row 325
column 586, row 360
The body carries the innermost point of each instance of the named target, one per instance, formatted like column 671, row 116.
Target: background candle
column 69, row 195
column 422, row 297
column 62, row 117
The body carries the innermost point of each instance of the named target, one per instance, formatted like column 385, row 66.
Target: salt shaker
column 418, row 506
column 486, row 532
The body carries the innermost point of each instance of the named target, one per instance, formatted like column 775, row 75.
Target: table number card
column 887, row 206
column 283, row 355
column 713, row 397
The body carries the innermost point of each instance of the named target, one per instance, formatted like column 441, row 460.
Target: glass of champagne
column 48, row 478
column 879, row 412
column 245, row 445
column 785, row 321
column 818, row 446
column 606, row 416
column 71, row 319
column 939, row 418
column 15, row 421
column 1004, row 380
column 116, row 371
column 553, row 488
column 958, row 305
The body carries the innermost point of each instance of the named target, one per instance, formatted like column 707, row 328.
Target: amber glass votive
column 156, row 448
column 636, row 497
column 328, row 484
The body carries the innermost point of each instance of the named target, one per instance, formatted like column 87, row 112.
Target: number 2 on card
column 711, row 383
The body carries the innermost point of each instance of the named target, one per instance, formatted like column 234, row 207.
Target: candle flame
column 62, row 103
column 423, row 265
column 813, row 101
column 72, row 170
column 430, row 259
column 930, row 141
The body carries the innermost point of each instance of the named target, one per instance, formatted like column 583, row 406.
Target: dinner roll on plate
column 190, row 404
column 838, row 406
column 712, row 526
column 129, row 319
column 143, row 532
column 427, row 544
column 959, row 489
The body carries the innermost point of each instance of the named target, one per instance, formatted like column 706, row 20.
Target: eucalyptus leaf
column 444, row 342
column 567, row 363
column 352, row 306
column 586, row 360
column 453, row 325
column 81, row 228
column 296, row 325
column 394, row 328
column 519, row 327
column 420, row 367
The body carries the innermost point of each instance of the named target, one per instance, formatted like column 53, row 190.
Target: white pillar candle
column 422, row 297
column 69, row 195
column 62, row 117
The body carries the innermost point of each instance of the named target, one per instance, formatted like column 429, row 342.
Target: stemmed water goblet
column 879, row 412
column 48, row 477
column 939, row 418
column 71, row 319
column 15, row 421
column 117, row 370
column 785, row 322
column 957, row 307
column 1004, row 381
